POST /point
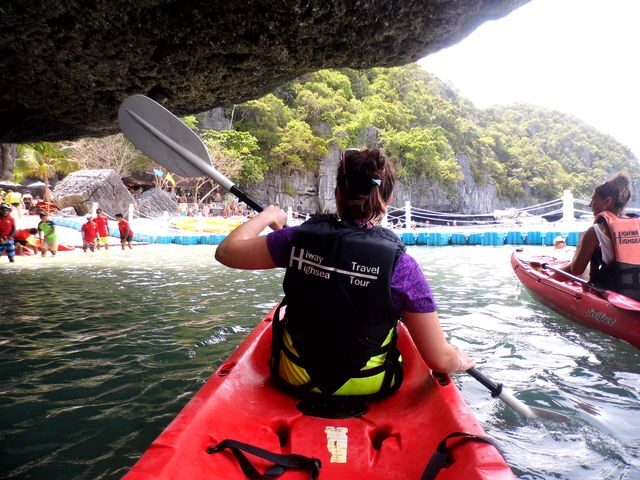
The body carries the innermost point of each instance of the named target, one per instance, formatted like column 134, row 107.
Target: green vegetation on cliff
column 547, row 151
column 421, row 122
column 425, row 126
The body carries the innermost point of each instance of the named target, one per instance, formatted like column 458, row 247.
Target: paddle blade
column 623, row 302
column 163, row 137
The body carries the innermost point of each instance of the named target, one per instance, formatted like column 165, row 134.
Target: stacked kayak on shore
column 606, row 311
column 395, row 438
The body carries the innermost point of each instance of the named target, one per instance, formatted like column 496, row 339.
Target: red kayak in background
column 393, row 438
column 27, row 252
column 576, row 300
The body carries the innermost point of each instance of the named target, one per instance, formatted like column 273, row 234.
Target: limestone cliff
column 67, row 65
column 314, row 192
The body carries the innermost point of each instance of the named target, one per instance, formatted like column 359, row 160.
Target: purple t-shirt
column 410, row 291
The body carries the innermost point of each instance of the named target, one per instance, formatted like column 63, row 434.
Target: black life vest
column 623, row 275
column 339, row 309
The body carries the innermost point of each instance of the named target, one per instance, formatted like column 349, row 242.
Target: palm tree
column 44, row 161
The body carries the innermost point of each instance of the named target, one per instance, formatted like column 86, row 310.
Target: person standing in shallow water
column 47, row 235
column 102, row 222
column 7, row 230
column 612, row 244
column 126, row 234
column 89, row 232
column 23, row 242
column 348, row 282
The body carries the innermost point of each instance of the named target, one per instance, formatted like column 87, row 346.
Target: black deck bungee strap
column 442, row 457
column 282, row 462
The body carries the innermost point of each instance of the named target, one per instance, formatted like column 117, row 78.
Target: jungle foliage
column 424, row 125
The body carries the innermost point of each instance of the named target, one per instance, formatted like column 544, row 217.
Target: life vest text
column 313, row 257
column 365, row 269
column 359, row 282
column 311, row 270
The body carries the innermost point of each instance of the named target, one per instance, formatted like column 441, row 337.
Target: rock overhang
column 66, row 66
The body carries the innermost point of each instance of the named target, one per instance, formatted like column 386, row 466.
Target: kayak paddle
column 614, row 298
column 164, row 138
column 498, row 391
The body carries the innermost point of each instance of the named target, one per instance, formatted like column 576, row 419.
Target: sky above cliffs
column 576, row 56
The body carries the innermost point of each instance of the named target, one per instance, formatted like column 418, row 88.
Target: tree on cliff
column 422, row 122
column 425, row 125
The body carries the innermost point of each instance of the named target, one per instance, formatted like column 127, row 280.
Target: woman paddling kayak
column 347, row 283
column 425, row 430
column 612, row 244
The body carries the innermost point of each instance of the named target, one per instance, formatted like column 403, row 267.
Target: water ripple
column 98, row 353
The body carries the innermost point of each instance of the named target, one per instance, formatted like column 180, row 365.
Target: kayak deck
column 394, row 439
column 575, row 302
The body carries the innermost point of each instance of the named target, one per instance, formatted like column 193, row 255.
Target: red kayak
column 395, row 438
column 61, row 247
column 574, row 299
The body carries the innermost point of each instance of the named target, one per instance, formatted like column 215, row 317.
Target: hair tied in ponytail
column 376, row 181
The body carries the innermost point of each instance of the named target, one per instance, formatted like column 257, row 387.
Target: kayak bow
column 578, row 301
column 395, row 438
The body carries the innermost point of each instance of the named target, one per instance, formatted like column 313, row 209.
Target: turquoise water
column 98, row 352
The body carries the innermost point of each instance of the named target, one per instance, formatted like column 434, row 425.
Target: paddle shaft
column 497, row 391
column 243, row 197
column 142, row 114
column 582, row 281
column 486, row 382
column 616, row 299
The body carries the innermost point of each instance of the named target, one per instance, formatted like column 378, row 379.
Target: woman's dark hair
column 364, row 184
column 618, row 188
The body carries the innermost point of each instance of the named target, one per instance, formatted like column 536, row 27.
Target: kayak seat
column 336, row 407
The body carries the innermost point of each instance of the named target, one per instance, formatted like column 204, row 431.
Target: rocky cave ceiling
column 67, row 65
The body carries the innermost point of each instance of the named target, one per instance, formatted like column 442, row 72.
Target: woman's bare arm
column 244, row 248
column 429, row 338
column 584, row 252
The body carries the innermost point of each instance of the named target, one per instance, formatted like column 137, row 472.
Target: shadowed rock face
column 66, row 65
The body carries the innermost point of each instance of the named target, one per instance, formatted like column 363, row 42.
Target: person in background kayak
column 559, row 243
column 347, row 283
column 612, row 243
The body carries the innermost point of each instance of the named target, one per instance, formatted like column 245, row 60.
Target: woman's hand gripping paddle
column 164, row 138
